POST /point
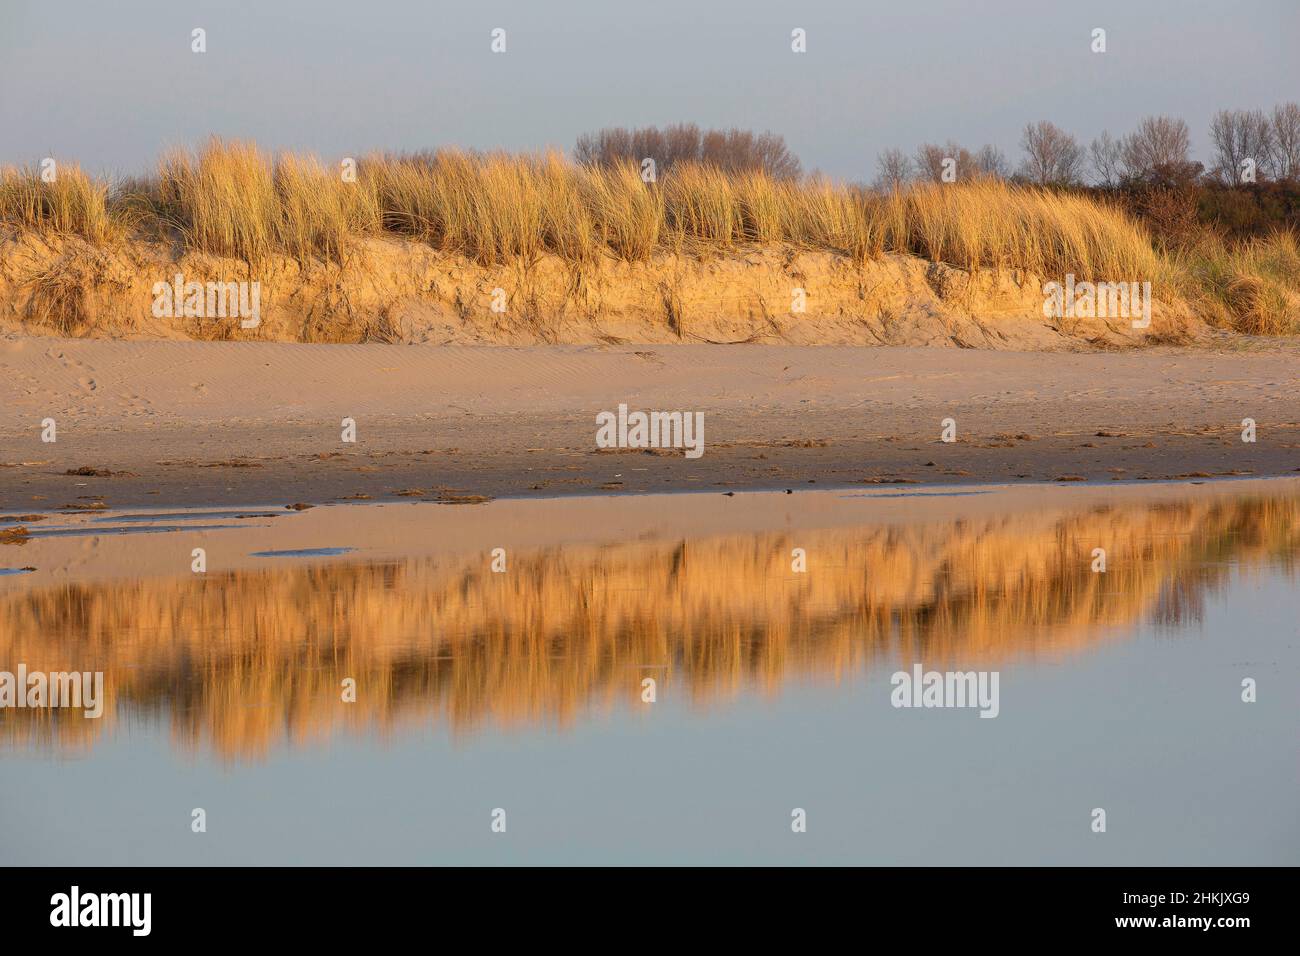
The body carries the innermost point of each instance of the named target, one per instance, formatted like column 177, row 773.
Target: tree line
column 731, row 150
column 1250, row 146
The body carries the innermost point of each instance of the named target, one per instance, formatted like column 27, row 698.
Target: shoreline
column 259, row 536
column 273, row 508
column 160, row 424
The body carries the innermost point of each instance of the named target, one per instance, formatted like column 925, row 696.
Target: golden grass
column 231, row 199
column 1253, row 288
column 222, row 199
column 989, row 224
column 626, row 216
column 71, row 204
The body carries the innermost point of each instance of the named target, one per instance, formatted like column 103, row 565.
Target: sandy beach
column 184, row 423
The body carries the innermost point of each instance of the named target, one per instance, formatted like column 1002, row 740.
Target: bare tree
column 733, row 150
column 681, row 144
column 1257, row 134
column 1243, row 143
column 1104, row 156
column 932, row 162
column 928, row 162
column 1157, row 150
column 1285, row 128
column 638, row 144
column 1051, row 154
column 1227, row 145
column 739, row 150
column 893, row 168
column 595, row 148
column 991, row 162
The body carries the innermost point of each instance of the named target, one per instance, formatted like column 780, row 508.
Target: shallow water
column 523, row 690
column 304, row 553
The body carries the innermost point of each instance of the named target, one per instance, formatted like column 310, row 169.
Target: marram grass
column 232, row 199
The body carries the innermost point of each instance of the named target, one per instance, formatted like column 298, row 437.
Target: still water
column 525, row 690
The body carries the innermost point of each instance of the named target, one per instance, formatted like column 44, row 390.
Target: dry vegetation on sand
column 234, row 202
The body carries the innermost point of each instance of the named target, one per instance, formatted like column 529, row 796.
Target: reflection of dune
column 245, row 658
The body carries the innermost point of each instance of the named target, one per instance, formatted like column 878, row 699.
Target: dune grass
column 1253, row 287
column 232, row 199
column 70, row 203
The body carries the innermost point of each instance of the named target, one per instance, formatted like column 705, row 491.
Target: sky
column 113, row 84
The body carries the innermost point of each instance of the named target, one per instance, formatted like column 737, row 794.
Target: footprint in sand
column 137, row 405
column 85, row 382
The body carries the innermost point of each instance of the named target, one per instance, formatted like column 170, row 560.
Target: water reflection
column 244, row 660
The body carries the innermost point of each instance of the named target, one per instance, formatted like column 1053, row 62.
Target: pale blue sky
column 110, row 84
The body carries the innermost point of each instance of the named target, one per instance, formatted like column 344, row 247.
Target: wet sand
column 192, row 423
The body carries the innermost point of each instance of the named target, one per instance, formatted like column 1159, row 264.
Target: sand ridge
column 396, row 290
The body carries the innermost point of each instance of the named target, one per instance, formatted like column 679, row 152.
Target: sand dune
column 403, row 292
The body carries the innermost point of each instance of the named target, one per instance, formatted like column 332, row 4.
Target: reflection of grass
column 238, row 659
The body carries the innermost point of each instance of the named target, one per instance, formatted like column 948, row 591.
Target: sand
column 223, row 422
column 403, row 292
